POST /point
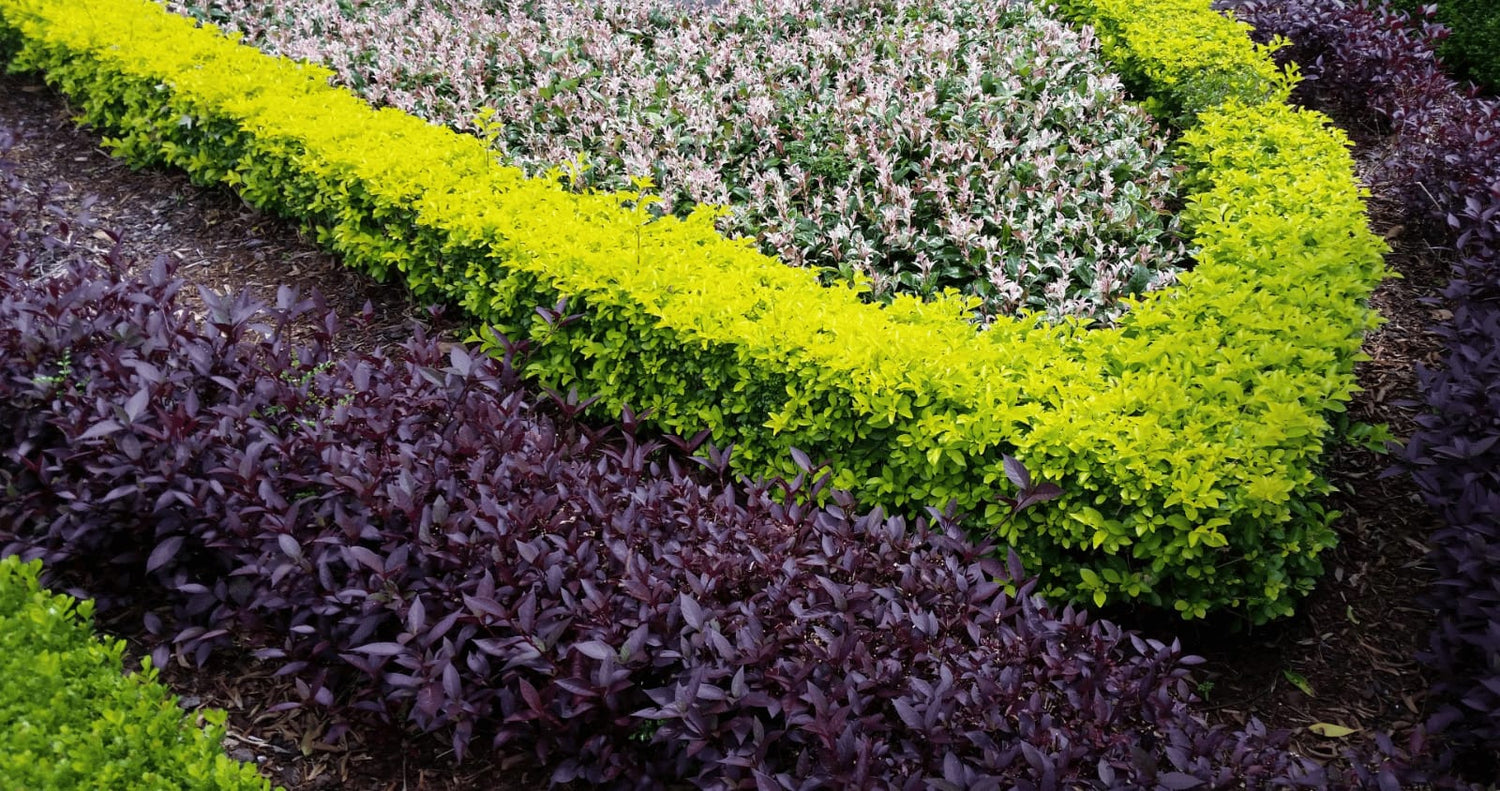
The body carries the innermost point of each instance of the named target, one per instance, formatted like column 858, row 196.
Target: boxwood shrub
column 72, row 718
column 1186, row 439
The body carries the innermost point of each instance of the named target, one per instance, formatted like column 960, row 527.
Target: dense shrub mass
column 1177, row 59
column 969, row 144
column 1472, row 47
column 1186, row 439
column 1446, row 146
column 415, row 536
column 72, row 719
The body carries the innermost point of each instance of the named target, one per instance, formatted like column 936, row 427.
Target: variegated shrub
column 921, row 144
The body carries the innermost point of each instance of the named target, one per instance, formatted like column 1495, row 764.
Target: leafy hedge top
column 73, row 719
column 1186, row 438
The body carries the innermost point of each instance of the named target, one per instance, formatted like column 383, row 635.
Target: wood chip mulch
column 219, row 242
column 1345, row 659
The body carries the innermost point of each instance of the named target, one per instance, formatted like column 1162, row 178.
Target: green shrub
column 73, row 720
column 1187, row 438
column 1472, row 50
column 1179, row 56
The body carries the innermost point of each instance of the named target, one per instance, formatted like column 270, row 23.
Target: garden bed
column 1369, row 568
column 845, row 573
column 1187, row 464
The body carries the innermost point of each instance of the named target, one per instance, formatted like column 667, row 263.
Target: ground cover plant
column 73, row 719
column 922, row 145
column 1186, row 439
column 1446, row 150
column 416, row 536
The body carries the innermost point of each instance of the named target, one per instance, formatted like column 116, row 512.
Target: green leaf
column 1299, row 681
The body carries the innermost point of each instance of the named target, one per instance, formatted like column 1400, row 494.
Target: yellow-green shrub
column 1182, row 57
column 1186, row 438
column 69, row 717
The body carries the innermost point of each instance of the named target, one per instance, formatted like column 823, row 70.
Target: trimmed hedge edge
column 1187, row 439
column 74, row 720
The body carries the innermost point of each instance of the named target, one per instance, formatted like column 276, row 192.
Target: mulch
column 218, row 241
column 1346, row 658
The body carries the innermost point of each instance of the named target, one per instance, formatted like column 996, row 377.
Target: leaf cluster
column 1472, row 48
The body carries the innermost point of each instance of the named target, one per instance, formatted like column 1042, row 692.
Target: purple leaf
column 137, row 404
column 1016, row 472
column 101, row 429
column 691, row 612
column 381, row 649
column 1177, row 781
column 164, row 553
column 596, row 650
column 289, row 546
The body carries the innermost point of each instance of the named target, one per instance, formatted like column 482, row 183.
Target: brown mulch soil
column 218, row 241
column 1345, row 659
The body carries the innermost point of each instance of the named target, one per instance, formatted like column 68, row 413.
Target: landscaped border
column 1186, row 439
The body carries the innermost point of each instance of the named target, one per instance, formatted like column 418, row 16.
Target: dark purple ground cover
column 1446, row 152
column 416, row 536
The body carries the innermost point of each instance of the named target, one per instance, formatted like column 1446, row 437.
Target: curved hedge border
column 72, row 719
column 1444, row 160
column 1187, row 438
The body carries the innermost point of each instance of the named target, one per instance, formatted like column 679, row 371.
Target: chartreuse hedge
column 71, row 719
column 1187, row 438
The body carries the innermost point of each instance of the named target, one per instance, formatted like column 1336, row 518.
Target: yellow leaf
column 1330, row 730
